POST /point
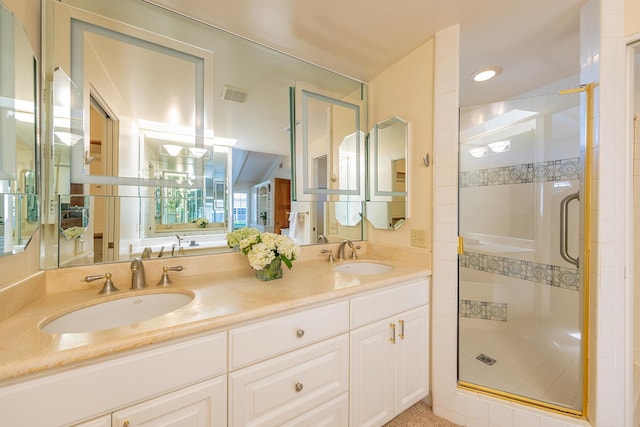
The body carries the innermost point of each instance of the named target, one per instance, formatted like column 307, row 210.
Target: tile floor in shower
column 548, row 371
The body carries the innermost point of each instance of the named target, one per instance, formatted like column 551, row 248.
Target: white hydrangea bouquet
column 266, row 252
column 234, row 237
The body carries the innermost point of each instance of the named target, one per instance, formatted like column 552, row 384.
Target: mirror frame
column 80, row 22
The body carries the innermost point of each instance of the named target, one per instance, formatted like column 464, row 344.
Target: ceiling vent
column 234, row 94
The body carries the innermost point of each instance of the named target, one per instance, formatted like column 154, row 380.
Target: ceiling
column 535, row 42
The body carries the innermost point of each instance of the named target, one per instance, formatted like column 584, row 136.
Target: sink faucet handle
column 108, row 286
column 354, row 255
column 164, row 280
column 330, row 252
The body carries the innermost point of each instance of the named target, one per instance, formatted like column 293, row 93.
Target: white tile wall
column 610, row 384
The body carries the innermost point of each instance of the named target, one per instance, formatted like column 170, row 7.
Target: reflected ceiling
column 535, row 42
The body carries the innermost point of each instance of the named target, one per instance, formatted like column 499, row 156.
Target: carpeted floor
column 419, row 415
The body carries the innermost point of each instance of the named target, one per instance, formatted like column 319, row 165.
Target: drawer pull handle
column 401, row 329
column 299, row 387
column 300, row 333
column 125, row 424
column 393, row 338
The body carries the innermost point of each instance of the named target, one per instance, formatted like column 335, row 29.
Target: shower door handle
column 564, row 228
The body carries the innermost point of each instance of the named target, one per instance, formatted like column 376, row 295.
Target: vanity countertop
column 222, row 299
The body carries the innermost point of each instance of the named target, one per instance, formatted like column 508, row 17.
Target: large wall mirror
column 169, row 133
column 387, row 194
column 19, row 216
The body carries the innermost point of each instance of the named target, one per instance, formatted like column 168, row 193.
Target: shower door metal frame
column 585, row 199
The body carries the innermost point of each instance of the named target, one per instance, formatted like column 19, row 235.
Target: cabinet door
column 372, row 374
column 411, row 376
column 202, row 405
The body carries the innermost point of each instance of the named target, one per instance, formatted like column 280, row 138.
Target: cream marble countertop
column 222, row 299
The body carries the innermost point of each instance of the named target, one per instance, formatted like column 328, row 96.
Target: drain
column 485, row 359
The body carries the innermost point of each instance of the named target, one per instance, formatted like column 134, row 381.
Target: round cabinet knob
column 125, row 424
column 300, row 333
column 299, row 387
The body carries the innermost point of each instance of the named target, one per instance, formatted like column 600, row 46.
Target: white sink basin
column 364, row 268
column 115, row 312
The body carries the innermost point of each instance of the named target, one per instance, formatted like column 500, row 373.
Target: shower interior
column 520, row 301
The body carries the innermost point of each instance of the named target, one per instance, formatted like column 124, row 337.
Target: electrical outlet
column 333, row 228
column 419, row 238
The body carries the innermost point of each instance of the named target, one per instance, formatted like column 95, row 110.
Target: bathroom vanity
column 337, row 349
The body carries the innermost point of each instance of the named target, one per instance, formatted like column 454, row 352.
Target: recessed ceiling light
column 486, row 73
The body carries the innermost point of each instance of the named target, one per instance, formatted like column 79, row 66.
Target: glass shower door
column 520, row 291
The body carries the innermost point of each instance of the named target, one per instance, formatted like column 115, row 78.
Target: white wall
column 406, row 90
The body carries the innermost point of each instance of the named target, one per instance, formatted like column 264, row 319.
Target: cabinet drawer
column 281, row 389
column 387, row 302
column 334, row 413
column 255, row 342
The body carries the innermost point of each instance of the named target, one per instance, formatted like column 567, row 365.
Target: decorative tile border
column 484, row 310
column 551, row 275
column 553, row 170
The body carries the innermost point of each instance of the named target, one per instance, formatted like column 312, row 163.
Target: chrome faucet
column 341, row 249
column 138, row 280
column 179, row 241
column 146, row 253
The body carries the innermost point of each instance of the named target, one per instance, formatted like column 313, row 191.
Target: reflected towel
column 293, row 224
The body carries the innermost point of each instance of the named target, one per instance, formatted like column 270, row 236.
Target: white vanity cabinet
column 355, row 361
column 157, row 379
column 389, row 352
column 307, row 381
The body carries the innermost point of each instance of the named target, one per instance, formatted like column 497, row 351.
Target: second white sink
column 363, row 268
column 115, row 312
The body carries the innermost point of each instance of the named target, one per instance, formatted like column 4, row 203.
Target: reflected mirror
column 173, row 164
column 387, row 205
column 18, row 143
column 331, row 144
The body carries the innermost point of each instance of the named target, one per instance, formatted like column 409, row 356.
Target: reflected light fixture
column 500, row 146
column 478, row 152
column 173, row 150
column 197, row 152
column 68, row 138
column 486, row 73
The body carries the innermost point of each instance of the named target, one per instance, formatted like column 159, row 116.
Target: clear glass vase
column 271, row 272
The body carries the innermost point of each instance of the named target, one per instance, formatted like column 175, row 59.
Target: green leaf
column 286, row 261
